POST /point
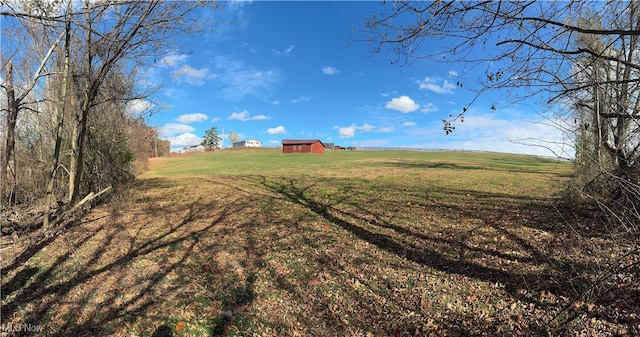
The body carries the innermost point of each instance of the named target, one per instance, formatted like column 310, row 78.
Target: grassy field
column 349, row 243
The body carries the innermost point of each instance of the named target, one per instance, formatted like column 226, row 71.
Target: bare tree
column 557, row 51
column 95, row 70
column 59, row 109
column 521, row 44
column 233, row 137
column 114, row 32
column 15, row 103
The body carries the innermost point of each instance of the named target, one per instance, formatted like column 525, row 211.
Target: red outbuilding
column 302, row 146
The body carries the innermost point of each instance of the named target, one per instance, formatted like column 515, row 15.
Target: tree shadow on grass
column 151, row 260
column 97, row 283
column 35, row 242
column 241, row 296
column 540, row 271
column 163, row 331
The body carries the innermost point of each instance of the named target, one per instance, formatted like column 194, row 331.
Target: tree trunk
column 80, row 122
column 8, row 160
column 77, row 145
column 60, row 109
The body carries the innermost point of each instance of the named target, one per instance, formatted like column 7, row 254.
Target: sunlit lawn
column 349, row 243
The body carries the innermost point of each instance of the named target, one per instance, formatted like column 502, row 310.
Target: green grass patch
column 272, row 162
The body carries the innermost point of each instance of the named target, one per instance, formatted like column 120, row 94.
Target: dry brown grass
column 400, row 248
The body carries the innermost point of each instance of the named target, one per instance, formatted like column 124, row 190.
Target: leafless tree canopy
column 562, row 51
column 72, row 68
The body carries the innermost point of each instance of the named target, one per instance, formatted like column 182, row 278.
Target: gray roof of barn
column 300, row 141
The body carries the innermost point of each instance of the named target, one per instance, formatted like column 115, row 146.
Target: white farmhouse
column 194, row 148
column 248, row 143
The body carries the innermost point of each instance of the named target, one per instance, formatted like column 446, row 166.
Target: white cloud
column 430, row 83
column 138, row 106
column 276, row 102
column 174, row 59
column 192, row 75
column 172, row 129
column 277, row 130
column 385, row 129
column 403, row 104
column 184, row 140
column 452, row 73
column 350, row 131
column 366, row 127
column 302, row 99
column 215, row 119
column 409, row 124
column 429, row 107
column 347, row 132
column 192, row 118
column 490, row 132
column 329, row 70
column 244, row 116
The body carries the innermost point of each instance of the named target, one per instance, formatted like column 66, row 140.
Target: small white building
column 193, row 148
column 248, row 143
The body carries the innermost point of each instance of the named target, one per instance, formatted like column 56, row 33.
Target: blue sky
column 276, row 70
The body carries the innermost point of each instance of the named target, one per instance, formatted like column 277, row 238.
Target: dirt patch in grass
column 411, row 252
